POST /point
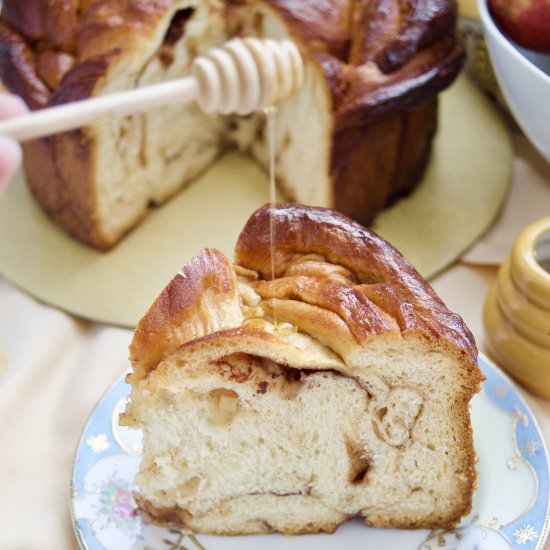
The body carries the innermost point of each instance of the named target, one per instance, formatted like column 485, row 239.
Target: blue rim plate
column 511, row 506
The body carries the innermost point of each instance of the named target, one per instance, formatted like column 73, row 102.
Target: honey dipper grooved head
column 247, row 75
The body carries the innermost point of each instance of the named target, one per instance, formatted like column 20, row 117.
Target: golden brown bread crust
column 60, row 168
column 54, row 22
column 380, row 57
column 385, row 61
column 362, row 316
column 18, row 69
column 303, row 230
column 367, row 286
column 181, row 311
column 84, row 28
column 375, row 164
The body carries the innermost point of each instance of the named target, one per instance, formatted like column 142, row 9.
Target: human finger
column 11, row 106
column 10, row 158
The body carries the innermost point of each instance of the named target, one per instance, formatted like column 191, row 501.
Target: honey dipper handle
column 80, row 113
column 242, row 76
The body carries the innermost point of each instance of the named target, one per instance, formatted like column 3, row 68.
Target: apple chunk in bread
column 355, row 402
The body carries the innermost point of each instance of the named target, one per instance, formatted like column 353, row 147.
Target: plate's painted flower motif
column 525, row 534
column 117, row 505
column 98, row 443
column 531, row 447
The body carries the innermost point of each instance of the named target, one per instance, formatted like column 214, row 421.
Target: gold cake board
column 460, row 195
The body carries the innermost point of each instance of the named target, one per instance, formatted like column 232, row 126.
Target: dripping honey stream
column 271, row 121
column 271, row 118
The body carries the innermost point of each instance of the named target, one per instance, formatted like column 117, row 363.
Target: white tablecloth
column 54, row 368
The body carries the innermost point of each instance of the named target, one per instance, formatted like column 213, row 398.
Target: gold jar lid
column 530, row 253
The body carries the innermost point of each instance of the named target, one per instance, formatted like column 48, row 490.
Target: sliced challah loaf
column 354, row 138
column 339, row 388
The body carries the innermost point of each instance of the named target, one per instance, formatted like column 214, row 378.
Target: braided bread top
column 378, row 56
column 335, row 281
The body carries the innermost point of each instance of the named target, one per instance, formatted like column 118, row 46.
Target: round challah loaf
column 354, row 138
column 339, row 388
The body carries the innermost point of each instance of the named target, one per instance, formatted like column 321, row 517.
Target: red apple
column 526, row 22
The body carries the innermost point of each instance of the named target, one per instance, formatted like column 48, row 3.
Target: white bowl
column 524, row 78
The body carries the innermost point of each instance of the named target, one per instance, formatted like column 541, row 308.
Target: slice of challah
column 340, row 388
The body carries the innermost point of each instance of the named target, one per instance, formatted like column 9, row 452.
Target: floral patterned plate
column 511, row 504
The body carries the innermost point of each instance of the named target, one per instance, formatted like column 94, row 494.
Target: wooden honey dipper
column 242, row 76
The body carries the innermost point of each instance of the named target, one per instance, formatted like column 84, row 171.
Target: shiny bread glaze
column 387, row 278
